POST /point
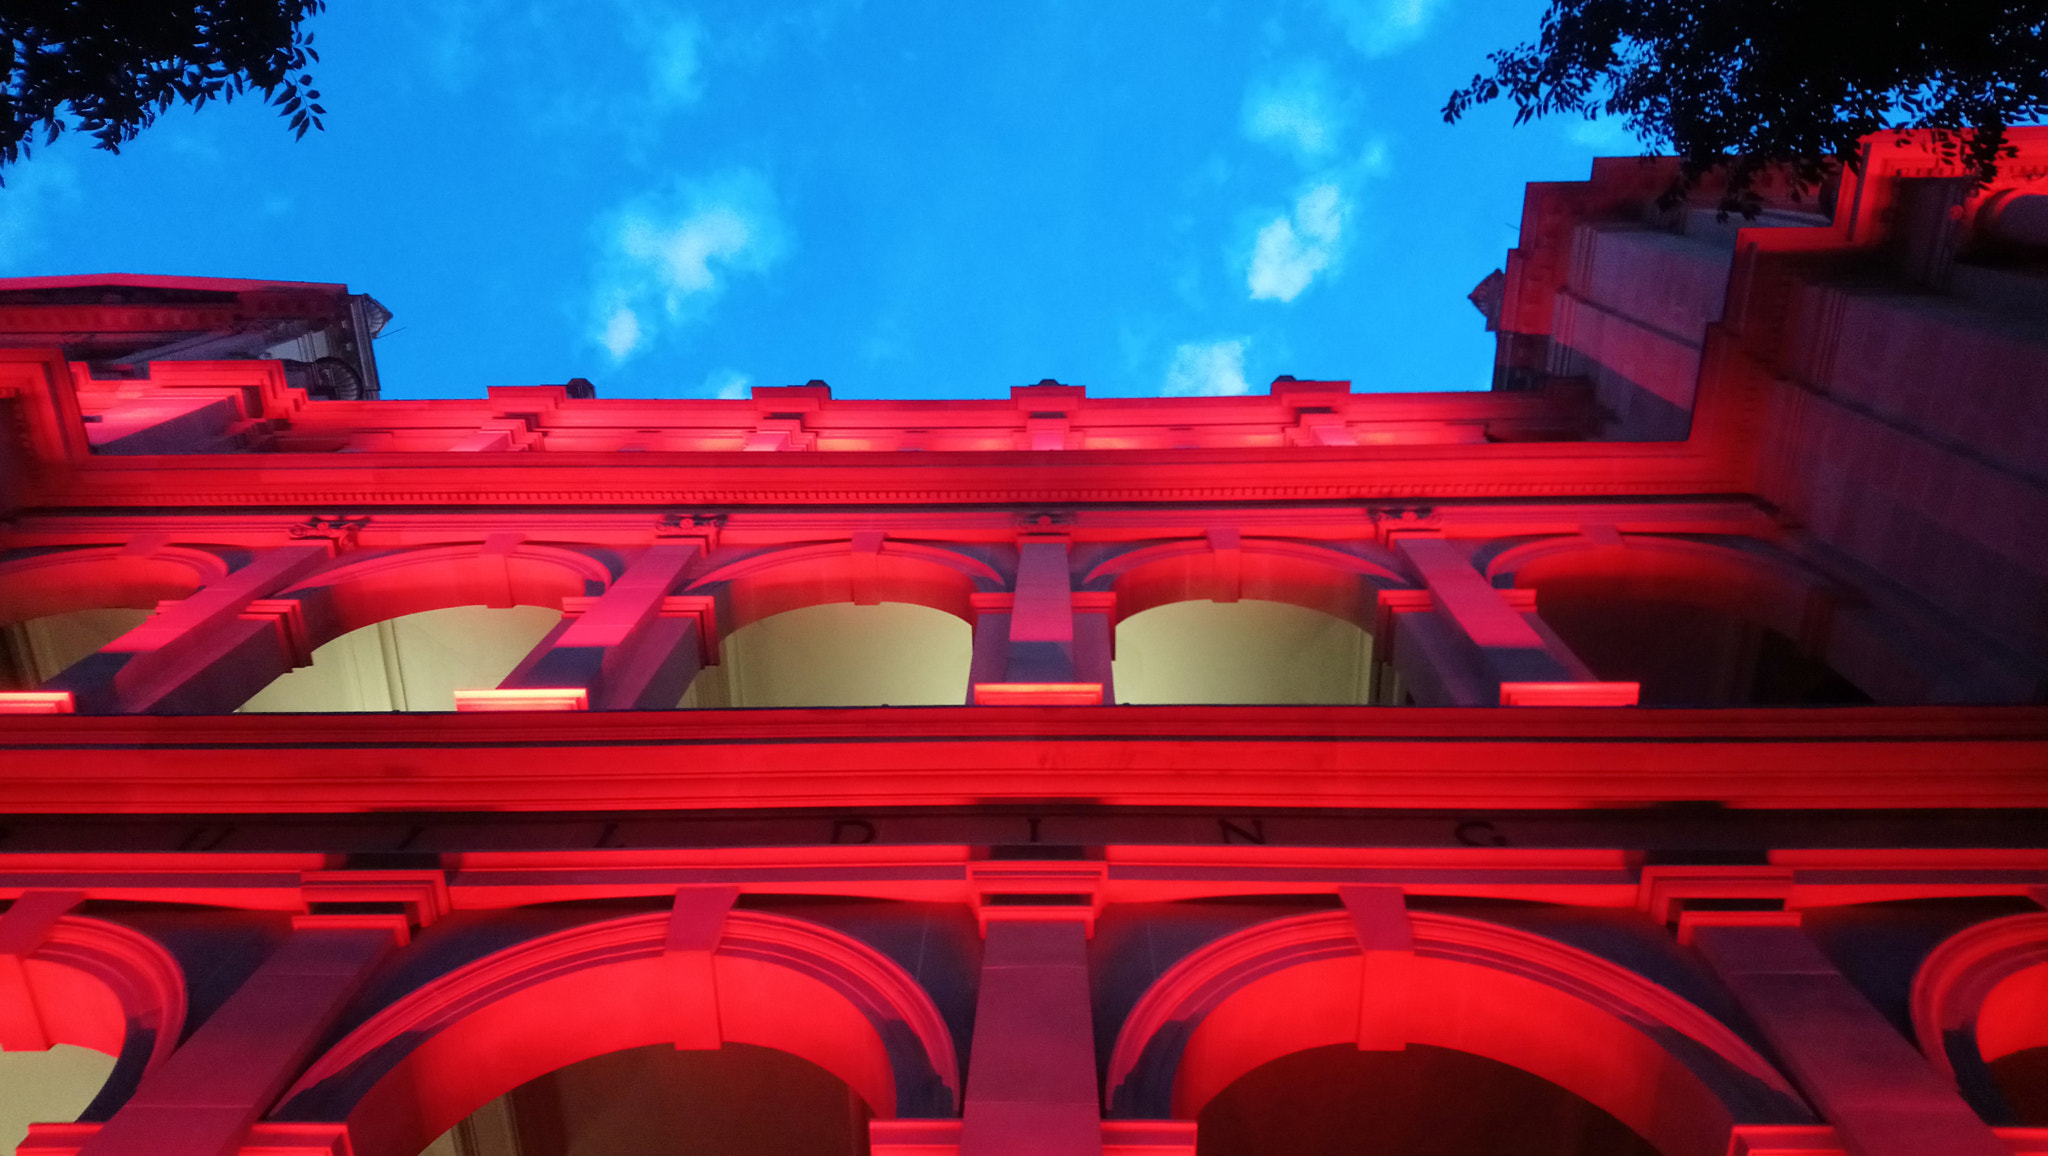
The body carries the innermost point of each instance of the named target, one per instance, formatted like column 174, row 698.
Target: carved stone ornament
column 340, row 529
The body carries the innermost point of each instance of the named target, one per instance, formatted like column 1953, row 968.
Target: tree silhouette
column 108, row 68
column 1750, row 85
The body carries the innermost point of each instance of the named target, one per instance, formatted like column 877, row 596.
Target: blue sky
column 906, row 199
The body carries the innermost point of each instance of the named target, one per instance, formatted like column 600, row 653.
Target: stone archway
column 1420, row 1101
column 1667, row 1070
column 94, row 986
column 58, row 606
column 1227, row 619
column 643, row 1099
column 1694, row 623
column 414, row 662
column 839, row 654
column 1248, row 651
column 429, row 1060
column 1980, row 1010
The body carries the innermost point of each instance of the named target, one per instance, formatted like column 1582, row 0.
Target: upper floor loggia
column 1788, row 460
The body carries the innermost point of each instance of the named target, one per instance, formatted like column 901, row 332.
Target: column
column 206, row 654
column 1032, row 647
column 1871, row 1084
column 990, row 664
column 635, row 647
column 204, row 1099
column 1031, row 1073
column 1468, row 644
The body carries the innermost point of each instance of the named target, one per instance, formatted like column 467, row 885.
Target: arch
column 1696, row 622
column 839, row 654
column 737, row 1099
column 415, row 662
column 36, row 650
column 789, row 578
column 444, row 1050
column 100, row 578
column 1419, row 1100
column 1744, row 582
column 362, row 590
column 98, row 985
column 2000, row 964
column 1247, row 651
column 1261, row 569
column 1674, row 1074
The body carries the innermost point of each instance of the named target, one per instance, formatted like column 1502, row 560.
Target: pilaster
column 206, row 654
column 1031, row 1075
column 1044, row 644
column 1879, row 1093
column 635, row 647
column 205, row 1098
column 1460, row 642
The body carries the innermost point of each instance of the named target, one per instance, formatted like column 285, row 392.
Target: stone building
column 1647, row 755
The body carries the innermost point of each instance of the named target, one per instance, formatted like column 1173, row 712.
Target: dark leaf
column 1745, row 88
column 109, row 70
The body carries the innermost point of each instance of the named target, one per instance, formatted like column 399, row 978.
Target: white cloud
column 729, row 384
column 37, row 189
column 1296, row 113
column 665, row 258
column 1292, row 249
column 1382, row 27
column 680, row 253
column 1207, row 369
column 621, row 333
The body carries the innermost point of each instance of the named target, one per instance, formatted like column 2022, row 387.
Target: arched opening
column 2022, row 1079
column 60, row 606
column 1980, row 1012
column 418, row 1068
column 840, row 654
column 96, row 1005
column 1694, row 625
column 63, row 581
column 1422, row 1101
column 1250, row 651
column 53, row 1086
column 34, row 651
column 415, row 662
column 361, row 591
column 740, row 1100
column 2012, row 1036
column 1685, row 654
column 1672, row 1074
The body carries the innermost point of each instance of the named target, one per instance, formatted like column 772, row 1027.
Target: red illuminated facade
column 1693, row 799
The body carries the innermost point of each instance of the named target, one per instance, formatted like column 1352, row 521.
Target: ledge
column 555, row 478
column 1536, row 757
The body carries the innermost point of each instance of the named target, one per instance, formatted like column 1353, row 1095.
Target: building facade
column 1647, row 755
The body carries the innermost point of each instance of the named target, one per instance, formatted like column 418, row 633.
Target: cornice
column 1077, row 477
column 1843, row 758
column 1683, row 514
